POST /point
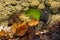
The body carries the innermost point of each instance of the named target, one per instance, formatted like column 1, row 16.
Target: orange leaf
column 22, row 29
column 2, row 33
column 14, row 27
column 33, row 22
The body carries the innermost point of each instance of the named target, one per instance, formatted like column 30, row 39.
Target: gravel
column 47, row 7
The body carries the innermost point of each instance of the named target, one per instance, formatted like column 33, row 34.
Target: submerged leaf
column 33, row 22
column 33, row 13
column 2, row 33
column 14, row 27
column 22, row 29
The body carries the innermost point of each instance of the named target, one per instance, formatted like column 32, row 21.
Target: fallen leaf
column 22, row 29
column 14, row 27
column 10, row 39
column 2, row 33
column 33, row 13
column 33, row 22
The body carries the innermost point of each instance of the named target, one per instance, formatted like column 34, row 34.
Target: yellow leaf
column 14, row 27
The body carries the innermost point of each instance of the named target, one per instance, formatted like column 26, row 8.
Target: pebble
column 35, row 3
column 41, row 6
column 55, row 6
column 45, row 15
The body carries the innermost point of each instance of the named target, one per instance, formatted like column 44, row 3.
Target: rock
column 36, row 37
column 18, row 8
column 25, row 4
column 55, row 36
column 41, row 6
column 40, row 25
column 54, row 6
column 48, row 2
column 45, row 15
column 34, row 3
column 54, row 21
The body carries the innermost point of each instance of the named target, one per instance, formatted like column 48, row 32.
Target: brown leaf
column 22, row 29
column 10, row 39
